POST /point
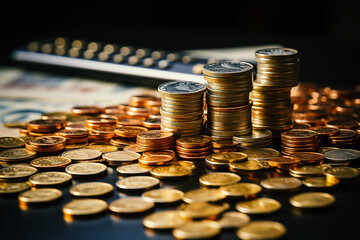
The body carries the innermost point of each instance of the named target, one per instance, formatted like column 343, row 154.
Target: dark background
column 326, row 33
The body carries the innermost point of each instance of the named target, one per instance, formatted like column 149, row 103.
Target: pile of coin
column 182, row 108
column 74, row 136
column 42, row 127
column 46, row 144
column 155, row 140
column 299, row 140
column 256, row 138
column 277, row 73
column 195, row 147
column 227, row 98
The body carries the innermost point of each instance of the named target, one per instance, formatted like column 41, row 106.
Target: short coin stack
column 277, row 73
column 182, row 107
column 256, row 138
column 227, row 98
column 195, row 147
column 155, row 140
column 299, row 140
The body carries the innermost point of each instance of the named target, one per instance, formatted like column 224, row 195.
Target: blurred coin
column 84, row 207
column 86, row 169
column 342, row 155
column 50, row 162
column 121, row 157
column 82, row 154
column 258, row 206
column 233, row 219
column 137, row 183
column 320, row 182
column 218, row 179
column 204, row 229
column 165, row 219
column 11, row 142
column 7, row 188
column 201, row 210
column 130, row 205
column 39, row 196
column 16, row 154
column 170, row 171
column 133, row 169
column 261, row 230
column 49, row 179
column 203, row 195
column 241, row 190
column 163, row 195
column 312, row 200
column 281, row 184
column 16, row 172
column 91, row 189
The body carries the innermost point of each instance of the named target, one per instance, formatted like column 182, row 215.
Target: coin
column 86, row 169
column 201, row 210
column 84, row 207
column 39, row 196
column 17, row 172
column 261, row 230
column 247, row 166
column 304, row 170
column 137, row 183
column 182, row 88
column 342, row 173
column 312, row 200
column 50, row 179
column 342, row 155
column 171, row 171
column 230, row 157
column 219, row 179
column 203, row 195
column 197, row 230
column 163, row 195
column 226, row 69
column 258, row 206
column 130, row 205
column 45, row 126
column 91, row 189
column 50, row 162
column 283, row 162
column 320, row 182
column 133, row 169
column 7, row 188
column 11, row 142
column 241, row 190
column 103, row 148
column 129, row 131
column 308, row 157
column 16, row 154
column 260, row 153
column 233, row 220
column 165, row 219
column 120, row 157
column 86, row 110
column 152, row 158
column 256, row 135
column 281, row 184
column 82, row 154
column 194, row 141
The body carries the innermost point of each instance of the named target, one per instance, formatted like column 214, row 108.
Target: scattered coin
column 202, row 210
column 262, row 230
column 50, row 179
column 91, row 189
column 172, row 171
column 241, row 190
column 165, row 219
column 86, row 169
column 219, row 179
column 130, row 205
column 16, row 154
column 258, row 206
column 133, row 169
column 233, row 220
column 203, row 195
column 341, row 173
column 11, row 142
column 137, row 183
column 17, row 172
column 50, row 162
column 82, row 154
column 320, row 182
column 39, row 196
column 281, row 184
column 84, row 207
column 197, row 230
column 312, row 200
column 121, row 157
column 7, row 188
column 163, row 195
column 342, row 155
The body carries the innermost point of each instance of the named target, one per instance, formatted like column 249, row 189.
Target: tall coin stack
column 227, row 98
column 182, row 108
column 277, row 73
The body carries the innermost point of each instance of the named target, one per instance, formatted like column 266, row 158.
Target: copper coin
column 299, row 134
column 156, row 157
column 86, row 110
column 194, row 150
column 194, row 141
column 344, row 134
column 73, row 133
column 129, row 131
column 283, row 162
column 326, row 130
column 44, row 126
column 134, row 148
column 309, row 157
column 343, row 124
column 152, row 123
column 129, row 122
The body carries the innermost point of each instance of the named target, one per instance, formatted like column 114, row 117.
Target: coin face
column 82, row 154
column 50, row 178
column 91, row 189
column 84, row 207
column 276, row 52
column 312, row 200
column 227, row 68
column 219, row 179
column 258, row 206
column 50, row 162
column 130, row 205
column 181, row 87
column 39, row 195
column 203, row 195
column 16, row 154
column 194, row 141
column 320, row 182
column 197, row 230
column 137, row 183
column 163, row 195
column 262, row 230
column 86, row 169
column 11, row 142
column 48, row 140
column 13, row 187
column 170, row 171
column 243, row 190
column 165, row 219
column 16, row 172
column 342, row 155
column 281, row 183
column 121, row 156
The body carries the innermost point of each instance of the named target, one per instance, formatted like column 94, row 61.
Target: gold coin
column 130, row 205
column 184, row 163
column 261, row 230
column 17, row 172
column 201, row 210
column 249, row 165
column 82, row 154
column 163, row 195
column 138, row 183
column 48, row 179
column 84, row 207
column 16, row 154
column 49, row 162
column 121, row 157
column 258, row 206
column 281, row 184
column 91, row 189
column 203, row 195
column 312, row 200
column 86, row 169
column 170, row 171
column 243, row 190
column 39, row 196
column 219, row 179
column 255, row 136
column 13, row 188
column 230, row 157
column 11, row 142
column 320, row 182
column 341, row 173
column 308, row 169
column 233, row 219
column 102, row 148
column 165, row 219
column 194, row 141
column 133, row 169
column 197, row 230
column 261, row 153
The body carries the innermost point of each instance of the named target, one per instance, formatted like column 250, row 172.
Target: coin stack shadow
column 277, row 73
column 182, row 108
column 227, row 98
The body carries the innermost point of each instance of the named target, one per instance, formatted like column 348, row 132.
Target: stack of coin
column 224, row 145
column 277, row 73
column 347, row 138
column 227, row 98
column 41, row 127
column 46, row 144
column 299, row 140
column 95, row 122
column 182, row 107
column 256, row 138
column 74, row 136
column 154, row 158
column 195, row 147
column 155, row 140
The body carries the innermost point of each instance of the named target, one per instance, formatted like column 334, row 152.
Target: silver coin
column 276, row 51
column 227, row 68
column 181, row 87
column 343, row 154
